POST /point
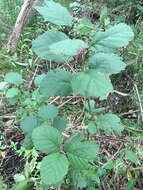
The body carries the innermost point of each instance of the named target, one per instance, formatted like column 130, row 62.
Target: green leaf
column 115, row 37
column 12, row 92
column 85, row 26
column 92, row 127
column 29, row 123
column 28, row 143
column 80, row 154
column 24, row 185
column 13, row 78
column 55, row 13
column 92, row 83
column 92, row 109
column 109, row 122
column 132, row 156
column 68, row 47
column 131, row 184
column 79, row 179
column 109, row 165
column 76, row 138
column 47, row 139
column 41, row 46
column 57, row 82
column 59, row 124
column 53, row 168
column 103, row 14
column 39, row 79
column 107, row 63
column 93, row 175
column 48, row 112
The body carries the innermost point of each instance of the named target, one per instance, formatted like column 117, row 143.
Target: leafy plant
column 75, row 158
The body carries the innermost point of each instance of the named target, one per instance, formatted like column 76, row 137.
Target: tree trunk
column 25, row 14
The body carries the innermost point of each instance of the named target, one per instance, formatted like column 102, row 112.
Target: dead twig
column 54, row 100
column 129, row 112
column 30, row 83
column 64, row 103
column 140, row 104
column 112, row 158
column 133, row 129
column 121, row 93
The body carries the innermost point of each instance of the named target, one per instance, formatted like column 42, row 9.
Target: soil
column 11, row 162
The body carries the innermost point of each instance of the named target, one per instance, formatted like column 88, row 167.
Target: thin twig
column 8, row 116
column 65, row 135
column 141, row 108
column 64, row 103
column 121, row 93
column 133, row 129
column 112, row 158
column 30, row 83
column 56, row 98
column 128, row 113
column 113, row 139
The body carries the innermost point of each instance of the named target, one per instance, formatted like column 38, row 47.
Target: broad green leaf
column 41, row 46
column 47, row 187
column 107, row 63
column 115, row 37
column 68, row 47
column 132, row 156
column 92, row 127
column 92, row 83
column 28, row 143
column 57, row 82
column 75, row 138
column 13, row 78
column 12, row 92
column 79, row 178
column 93, row 175
column 59, row 123
column 29, row 123
column 39, row 79
column 48, row 112
column 55, row 13
column 80, row 154
column 53, row 168
column 47, row 139
column 110, row 122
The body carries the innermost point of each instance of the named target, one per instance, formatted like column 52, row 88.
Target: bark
column 25, row 14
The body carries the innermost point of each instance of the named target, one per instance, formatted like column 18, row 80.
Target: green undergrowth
column 115, row 161
column 7, row 63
